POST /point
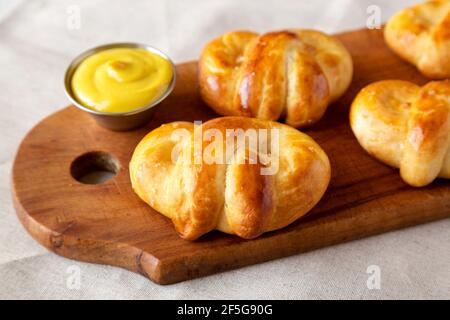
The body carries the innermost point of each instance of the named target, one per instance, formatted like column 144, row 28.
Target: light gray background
column 35, row 48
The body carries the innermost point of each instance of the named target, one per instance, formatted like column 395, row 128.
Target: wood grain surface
column 107, row 223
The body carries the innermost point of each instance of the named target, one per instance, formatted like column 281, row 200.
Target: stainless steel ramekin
column 117, row 121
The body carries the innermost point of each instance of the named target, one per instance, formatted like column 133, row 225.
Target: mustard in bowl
column 119, row 84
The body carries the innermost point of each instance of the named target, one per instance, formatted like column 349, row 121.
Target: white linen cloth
column 38, row 39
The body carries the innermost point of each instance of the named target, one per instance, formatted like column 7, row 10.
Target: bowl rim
column 85, row 54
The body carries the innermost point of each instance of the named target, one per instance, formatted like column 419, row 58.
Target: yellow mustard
column 121, row 79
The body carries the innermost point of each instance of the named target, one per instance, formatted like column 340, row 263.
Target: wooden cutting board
column 107, row 223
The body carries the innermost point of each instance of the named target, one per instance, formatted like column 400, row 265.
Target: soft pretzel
column 406, row 126
column 421, row 35
column 232, row 196
column 292, row 74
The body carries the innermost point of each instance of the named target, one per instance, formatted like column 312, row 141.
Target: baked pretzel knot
column 292, row 74
column 232, row 194
column 406, row 126
column 421, row 35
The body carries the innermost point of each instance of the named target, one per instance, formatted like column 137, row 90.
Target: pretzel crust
column 233, row 197
column 421, row 35
column 406, row 126
column 293, row 74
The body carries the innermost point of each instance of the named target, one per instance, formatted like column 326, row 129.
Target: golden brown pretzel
column 406, row 126
column 292, row 74
column 232, row 196
column 421, row 35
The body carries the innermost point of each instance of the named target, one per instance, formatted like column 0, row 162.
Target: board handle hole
column 94, row 167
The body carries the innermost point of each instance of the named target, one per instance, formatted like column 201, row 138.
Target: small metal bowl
column 117, row 121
